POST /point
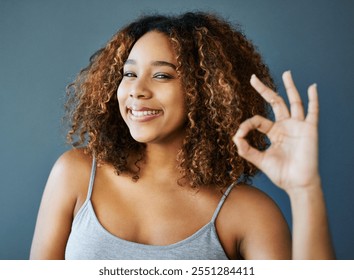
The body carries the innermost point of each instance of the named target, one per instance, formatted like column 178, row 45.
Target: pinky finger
column 313, row 106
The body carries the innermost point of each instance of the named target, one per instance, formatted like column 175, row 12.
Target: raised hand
column 292, row 159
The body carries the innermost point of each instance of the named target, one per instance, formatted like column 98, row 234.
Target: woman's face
column 150, row 95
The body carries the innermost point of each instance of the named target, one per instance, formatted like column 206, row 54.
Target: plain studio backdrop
column 43, row 44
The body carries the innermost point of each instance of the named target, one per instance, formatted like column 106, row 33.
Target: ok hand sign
column 291, row 161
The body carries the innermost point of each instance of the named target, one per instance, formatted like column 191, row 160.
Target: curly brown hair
column 215, row 63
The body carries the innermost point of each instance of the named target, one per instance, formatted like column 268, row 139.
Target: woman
column 155, row 172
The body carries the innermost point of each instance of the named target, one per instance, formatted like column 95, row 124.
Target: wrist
column 314, row 189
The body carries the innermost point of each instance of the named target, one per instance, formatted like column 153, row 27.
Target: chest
column 150, row 217
column 153, row 215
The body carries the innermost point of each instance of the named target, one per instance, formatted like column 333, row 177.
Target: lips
column 143, row 114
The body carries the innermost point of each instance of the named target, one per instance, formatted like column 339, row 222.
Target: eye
column 162, row 76
column 129, row 74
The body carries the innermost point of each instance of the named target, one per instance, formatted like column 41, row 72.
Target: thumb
column 248, row 152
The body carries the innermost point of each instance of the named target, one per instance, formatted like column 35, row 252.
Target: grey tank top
column 89, row 240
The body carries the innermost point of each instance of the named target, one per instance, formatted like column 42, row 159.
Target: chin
column 142, row 139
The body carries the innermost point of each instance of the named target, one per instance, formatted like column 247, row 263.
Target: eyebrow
column 154, row 63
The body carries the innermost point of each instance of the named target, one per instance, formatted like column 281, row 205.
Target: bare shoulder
column 251, row 199
column 261, row 229
column 63, row 195
column 73, row 161
column 72, row 167
column 69, row 177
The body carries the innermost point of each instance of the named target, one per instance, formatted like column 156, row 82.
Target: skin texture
column 154, row 85
column 157, row 209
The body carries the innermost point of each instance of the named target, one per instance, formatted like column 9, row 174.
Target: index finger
column 278, row 105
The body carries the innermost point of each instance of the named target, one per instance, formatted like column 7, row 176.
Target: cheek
column 179, row 103
column 121, row 101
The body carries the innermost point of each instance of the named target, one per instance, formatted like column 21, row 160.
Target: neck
column 160, row 162
column 159, row 157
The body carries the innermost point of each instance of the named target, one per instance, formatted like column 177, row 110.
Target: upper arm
column 265, row 232
column 57, row 207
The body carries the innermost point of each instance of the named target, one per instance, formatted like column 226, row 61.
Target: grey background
column 43, row 44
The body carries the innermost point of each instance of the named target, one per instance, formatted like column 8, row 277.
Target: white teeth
column 144, row 113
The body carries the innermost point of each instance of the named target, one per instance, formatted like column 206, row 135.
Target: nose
column 139, row 90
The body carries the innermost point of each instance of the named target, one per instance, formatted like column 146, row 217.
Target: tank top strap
column 222, row 200
column 92, row 178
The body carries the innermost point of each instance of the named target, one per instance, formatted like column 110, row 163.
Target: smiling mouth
column 143, row 113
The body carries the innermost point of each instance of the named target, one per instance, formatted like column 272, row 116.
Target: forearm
column 311, row 236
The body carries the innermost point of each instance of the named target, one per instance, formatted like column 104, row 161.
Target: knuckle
column 276, row 100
